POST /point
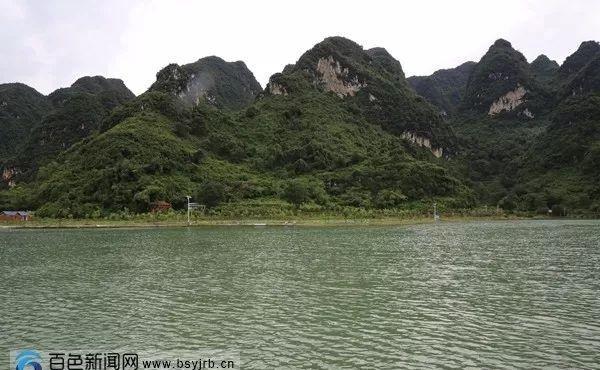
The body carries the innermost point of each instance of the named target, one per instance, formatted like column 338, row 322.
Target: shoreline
column 300, row 222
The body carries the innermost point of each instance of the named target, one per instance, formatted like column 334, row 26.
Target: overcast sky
column 49, row 44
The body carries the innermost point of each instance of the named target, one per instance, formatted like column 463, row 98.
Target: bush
column 355, row 197
column 296, row 192
column 299, row 191
column 389, row 199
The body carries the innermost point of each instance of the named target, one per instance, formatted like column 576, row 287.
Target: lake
column 501, row 294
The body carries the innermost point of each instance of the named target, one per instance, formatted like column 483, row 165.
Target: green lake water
column 518, row 294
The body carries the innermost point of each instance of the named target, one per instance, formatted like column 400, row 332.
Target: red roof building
column 160, row 206
column 15, row 216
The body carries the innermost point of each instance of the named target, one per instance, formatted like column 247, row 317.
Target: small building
column 160, row 206
column 15, row 216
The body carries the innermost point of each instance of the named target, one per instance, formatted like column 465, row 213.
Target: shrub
column 296, row 192
column 389, row 199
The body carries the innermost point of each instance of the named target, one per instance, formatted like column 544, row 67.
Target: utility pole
column 188, row 209
column 435, row 215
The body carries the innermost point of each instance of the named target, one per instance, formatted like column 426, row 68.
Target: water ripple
column 458, row 295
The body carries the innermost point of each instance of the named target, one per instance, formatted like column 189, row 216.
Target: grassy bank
column 297, row 221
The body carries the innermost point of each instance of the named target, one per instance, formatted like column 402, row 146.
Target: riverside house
column 15, row 216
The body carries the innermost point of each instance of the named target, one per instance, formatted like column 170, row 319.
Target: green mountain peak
column 228, row 85
column 502, row 83
column 580, row 73
column 373, row 82
column 544, row 69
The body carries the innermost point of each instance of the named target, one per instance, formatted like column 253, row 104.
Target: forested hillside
column 529, row 133
column 340, row 131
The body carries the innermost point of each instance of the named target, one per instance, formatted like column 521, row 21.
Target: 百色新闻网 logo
column 28, row 359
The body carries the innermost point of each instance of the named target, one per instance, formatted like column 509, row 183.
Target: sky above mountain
column 50, row 44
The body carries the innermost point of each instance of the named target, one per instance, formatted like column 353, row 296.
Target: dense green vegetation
column 563, row 167
column 544, row 70
column 60, row 120
column 384, row 99
column 328, row 136
column 444, row 88
column 492, row 151
column 500, row 70
column 303, row 150
column 575, row 62
column 21, row 107
column 541, row 164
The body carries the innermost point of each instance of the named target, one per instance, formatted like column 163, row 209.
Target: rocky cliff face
column 423, row 142
column 228, row 85
column 509, row 101
column 332, row 77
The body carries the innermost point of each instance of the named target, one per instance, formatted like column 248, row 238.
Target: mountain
column 562, row 167
column 74, row 113
column 98, row 85
column 373, row 83
column 444, row 88
column 313, row 139
column 229, row 85
column 502, row 83
column 339, row 132
column 546, row 162
column 544, row 69
column 504, row 109
column 586, row 52
column 21, row 108
column 580, row 73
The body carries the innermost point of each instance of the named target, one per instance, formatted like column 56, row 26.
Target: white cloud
column 132, row 40
column 11, row 9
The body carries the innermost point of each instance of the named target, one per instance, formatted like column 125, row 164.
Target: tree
column 296, row 192
column 389, row 198
column 212, row 194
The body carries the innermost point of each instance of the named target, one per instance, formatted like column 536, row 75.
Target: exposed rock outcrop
column 8, row 176
column 527, row 113
column 509, row 101
column 503, row 80
column 373, row 83
column 335, row 78
column 423, row 142
column 276, row 89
